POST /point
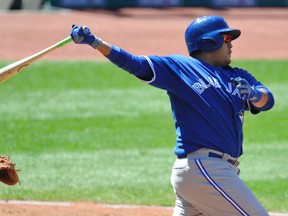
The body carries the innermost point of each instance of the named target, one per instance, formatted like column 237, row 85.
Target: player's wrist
column 96, row 42
column 256, row 95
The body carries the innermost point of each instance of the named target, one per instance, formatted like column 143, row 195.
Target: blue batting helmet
column 206, row 33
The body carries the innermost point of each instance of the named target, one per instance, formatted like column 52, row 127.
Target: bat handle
column 64, row 41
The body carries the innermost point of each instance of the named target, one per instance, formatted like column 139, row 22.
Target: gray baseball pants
column 211, row 186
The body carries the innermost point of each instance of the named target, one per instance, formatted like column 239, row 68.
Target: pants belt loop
column 225, row 157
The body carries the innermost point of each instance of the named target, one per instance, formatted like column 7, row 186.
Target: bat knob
column 86, row 30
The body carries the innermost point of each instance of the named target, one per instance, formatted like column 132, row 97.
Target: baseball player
column 208, row 100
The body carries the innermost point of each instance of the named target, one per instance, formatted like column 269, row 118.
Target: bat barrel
column 14, row 68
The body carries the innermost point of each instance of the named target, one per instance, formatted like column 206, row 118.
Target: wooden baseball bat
column 14, row 68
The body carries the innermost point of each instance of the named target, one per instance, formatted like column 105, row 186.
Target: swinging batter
column 208, row 100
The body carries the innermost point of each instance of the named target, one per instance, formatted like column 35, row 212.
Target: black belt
column 232, row 161
column 215, row 155
column 181, row 156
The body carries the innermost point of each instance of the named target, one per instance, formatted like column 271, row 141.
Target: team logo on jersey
column 201, row 86
column 235, row 91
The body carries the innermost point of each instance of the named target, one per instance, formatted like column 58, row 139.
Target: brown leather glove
column 8, row 172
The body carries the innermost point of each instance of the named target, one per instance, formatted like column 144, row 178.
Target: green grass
column 89, row 131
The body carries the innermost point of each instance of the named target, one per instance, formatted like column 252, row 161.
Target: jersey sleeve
column 167, row 73
column 136, row 65
column 159, row 71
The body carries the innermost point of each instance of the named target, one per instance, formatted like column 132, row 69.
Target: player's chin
column 228, row 60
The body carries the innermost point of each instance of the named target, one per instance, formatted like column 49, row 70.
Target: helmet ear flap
column 210, row 43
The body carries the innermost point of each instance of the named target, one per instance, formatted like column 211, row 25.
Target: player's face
column 222, row 56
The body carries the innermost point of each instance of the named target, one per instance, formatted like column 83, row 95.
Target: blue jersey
column 207, row 109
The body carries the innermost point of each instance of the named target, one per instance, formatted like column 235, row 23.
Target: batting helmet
column 206, row 34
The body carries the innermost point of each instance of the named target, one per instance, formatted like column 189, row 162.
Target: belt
column 224, row 156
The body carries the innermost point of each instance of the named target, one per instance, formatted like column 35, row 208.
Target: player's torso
column 207, row 108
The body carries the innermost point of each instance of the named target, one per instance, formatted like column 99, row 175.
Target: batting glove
column 82, row 35
column 247, row 91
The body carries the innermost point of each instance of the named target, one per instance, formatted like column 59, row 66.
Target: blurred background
column 114, row 4
column 73, row 113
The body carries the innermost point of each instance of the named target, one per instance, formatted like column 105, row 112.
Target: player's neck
column 207, row 59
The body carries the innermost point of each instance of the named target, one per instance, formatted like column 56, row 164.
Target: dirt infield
column 16, row 208
column 79, row 209
column 141, row 31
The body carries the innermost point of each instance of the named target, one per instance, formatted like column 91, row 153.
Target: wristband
column 257, row 97
column 96, row 43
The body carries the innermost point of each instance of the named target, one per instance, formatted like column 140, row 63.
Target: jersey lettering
column 201, row 86
column 229, row 89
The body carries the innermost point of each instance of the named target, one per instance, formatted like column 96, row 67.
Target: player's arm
column 261, row 99
column 105, row 48
column 136, row 65
column 259, row 96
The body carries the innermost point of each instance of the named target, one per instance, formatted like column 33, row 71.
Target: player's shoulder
column 239, row 72
column 171, row 56
column 173, row 59
column 235, row 70
column 230, row 68
column 181, row 59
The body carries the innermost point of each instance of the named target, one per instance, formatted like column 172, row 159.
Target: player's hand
column 82, row 35
column 247, row 91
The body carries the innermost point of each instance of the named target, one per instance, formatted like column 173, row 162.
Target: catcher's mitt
column 8, row 173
